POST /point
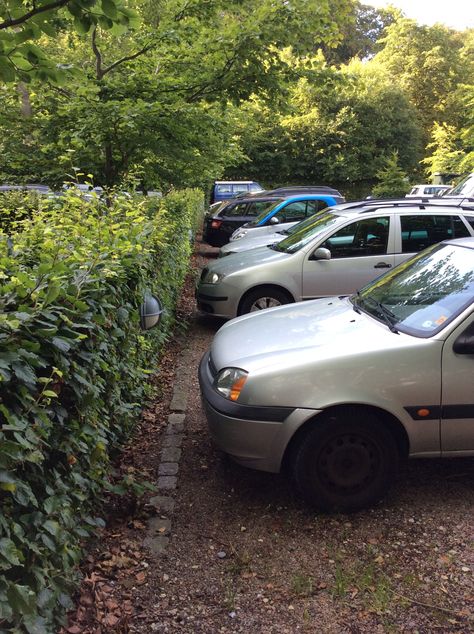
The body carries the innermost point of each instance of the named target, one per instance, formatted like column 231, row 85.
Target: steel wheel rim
column 349, row 463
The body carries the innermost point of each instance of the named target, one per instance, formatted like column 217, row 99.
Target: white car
column 464, row 189
column 259, row 237
column 427, row 190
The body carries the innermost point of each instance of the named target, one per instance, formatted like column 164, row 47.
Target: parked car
column 340, row 251
column 243, row 240
column 336, row 391
column 261, row 236
column 222, row 220
column 427, row 190
column 261, row 211
column 464, row 189
column 223, row 190
column 40, row 189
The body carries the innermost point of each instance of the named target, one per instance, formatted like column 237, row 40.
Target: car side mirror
column 321, row 254
column 273, row 221
column 464, row 344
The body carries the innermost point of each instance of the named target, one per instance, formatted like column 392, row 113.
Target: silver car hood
column 252, row 242
column 308, row 332
column 245, row 259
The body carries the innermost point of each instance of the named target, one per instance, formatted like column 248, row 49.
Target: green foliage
column 428, row 63
column 17, row 207
column 338, row 127
column 446, row 151
column 393, row 181
column 73, row 369
column 25, row 25
column 154, row 101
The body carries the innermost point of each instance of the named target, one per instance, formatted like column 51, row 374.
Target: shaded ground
column 246, row 556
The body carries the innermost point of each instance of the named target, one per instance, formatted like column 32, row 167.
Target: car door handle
column 382, row 265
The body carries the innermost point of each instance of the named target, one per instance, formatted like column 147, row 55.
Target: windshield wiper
column 387, row 315
column 353, row 302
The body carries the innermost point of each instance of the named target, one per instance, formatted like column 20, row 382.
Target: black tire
column 345, row 462
column 263, row 297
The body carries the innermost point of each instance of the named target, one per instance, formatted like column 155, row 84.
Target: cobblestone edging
column 159, row 527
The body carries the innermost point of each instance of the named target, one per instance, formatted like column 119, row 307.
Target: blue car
column 264, row 210
column 224, row 190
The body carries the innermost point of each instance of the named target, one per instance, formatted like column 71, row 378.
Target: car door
column 360, row 251
column 457, row 397
column 417, row 231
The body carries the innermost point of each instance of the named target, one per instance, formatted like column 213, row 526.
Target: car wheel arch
column 264, row 288
column 391, row 422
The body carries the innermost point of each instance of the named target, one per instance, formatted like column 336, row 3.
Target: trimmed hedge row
column 73, row 370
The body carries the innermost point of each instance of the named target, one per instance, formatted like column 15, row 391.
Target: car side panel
column 457, row 425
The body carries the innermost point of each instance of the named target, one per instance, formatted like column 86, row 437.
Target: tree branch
column 30, row 14
column 200, row 90
column 127, row 58
column 98, row 57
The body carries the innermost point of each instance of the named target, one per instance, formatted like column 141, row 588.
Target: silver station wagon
column 333, row 253
column 337, row 390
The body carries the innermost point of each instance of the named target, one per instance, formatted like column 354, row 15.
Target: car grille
column 204, row 273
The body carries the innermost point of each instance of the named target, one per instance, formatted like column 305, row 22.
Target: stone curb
column 159, row 528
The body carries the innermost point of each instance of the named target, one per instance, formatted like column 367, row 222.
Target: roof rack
column 421, row 201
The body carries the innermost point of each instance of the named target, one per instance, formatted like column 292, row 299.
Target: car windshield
column 264, row 210
column 307, row 230
column 422, row 295
column 462, row 188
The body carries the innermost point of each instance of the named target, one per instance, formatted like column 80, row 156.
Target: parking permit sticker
column 427, row 324
column 440, row 320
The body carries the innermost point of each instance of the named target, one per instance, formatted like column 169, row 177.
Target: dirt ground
column 245, row 555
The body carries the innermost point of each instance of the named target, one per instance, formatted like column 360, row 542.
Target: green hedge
column 73, row 371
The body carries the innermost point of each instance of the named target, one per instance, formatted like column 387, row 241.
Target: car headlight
column 213, row 278
column 230, row 382
column 239, row 235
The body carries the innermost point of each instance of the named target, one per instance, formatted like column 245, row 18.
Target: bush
column 73, row 369
column 18, row 206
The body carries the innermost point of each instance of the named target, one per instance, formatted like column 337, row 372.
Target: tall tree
column 426, row 62
column 155, row 97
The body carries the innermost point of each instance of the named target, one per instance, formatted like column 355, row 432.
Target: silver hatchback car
column 333, row 253
column 339, row 389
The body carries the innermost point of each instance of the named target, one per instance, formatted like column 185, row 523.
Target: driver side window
column 360, row 238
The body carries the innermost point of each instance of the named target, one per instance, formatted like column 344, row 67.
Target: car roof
column 461, row 242
column 251, row 199
column 308, row 196
column 404, row 204
column 234, row 182
column 306, row 188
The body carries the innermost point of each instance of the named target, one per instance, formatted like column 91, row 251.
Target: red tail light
column 215, row 224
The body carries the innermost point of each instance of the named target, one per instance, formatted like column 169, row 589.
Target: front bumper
column 254, row 436
column 217, row 299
